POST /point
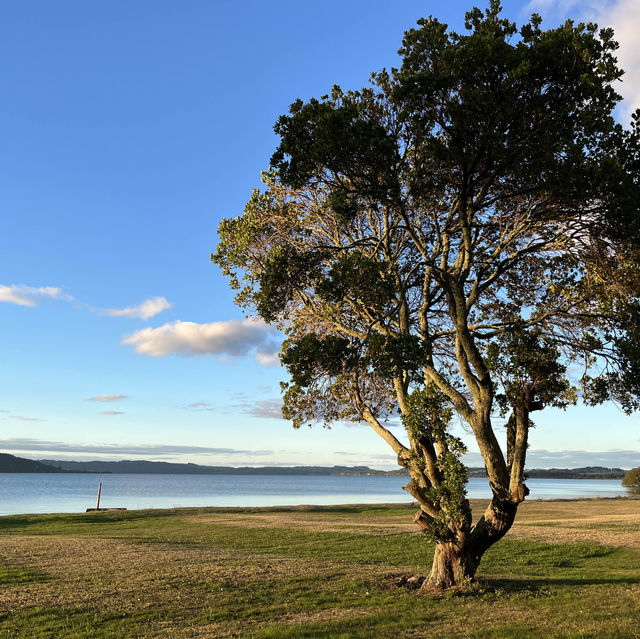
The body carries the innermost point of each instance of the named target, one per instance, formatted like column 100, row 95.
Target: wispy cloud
column 28, row 444
column 200, row 406
column 22, row 418
column 269, row 408
column 145, row 310
column 107, row 398
column 22, row 295
column 111, row 412
column 234, row 338
column 30, row 295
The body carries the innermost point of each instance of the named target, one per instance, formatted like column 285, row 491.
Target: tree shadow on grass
column 541, row 586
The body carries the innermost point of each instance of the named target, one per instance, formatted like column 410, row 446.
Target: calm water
column 62, row 493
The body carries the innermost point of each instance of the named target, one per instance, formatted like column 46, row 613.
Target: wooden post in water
column 99, row 490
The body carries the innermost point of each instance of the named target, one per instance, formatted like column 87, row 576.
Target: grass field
column 566, row 569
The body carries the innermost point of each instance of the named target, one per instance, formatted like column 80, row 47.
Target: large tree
column 458, row 238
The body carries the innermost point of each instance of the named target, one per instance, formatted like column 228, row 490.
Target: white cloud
column 29, row 295
column 145, row 310
column 268, row 359
column 235, row 338
column 624, row 17
column 107, row 398
column 22, row 418
column 111, row 412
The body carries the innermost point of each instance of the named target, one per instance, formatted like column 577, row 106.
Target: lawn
column 566, row 569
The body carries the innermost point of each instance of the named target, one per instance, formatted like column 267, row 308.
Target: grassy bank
column 567, row 569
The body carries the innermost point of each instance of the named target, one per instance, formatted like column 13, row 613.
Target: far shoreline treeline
column 12, row 464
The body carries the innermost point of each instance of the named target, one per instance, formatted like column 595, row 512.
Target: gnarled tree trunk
column 452, row 566
column 455, row 562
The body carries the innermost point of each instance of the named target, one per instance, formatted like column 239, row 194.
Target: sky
column 129, row 130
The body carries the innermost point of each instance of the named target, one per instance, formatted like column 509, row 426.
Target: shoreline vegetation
column 13, row 464
column 566, row 569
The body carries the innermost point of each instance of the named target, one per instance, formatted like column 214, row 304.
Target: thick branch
column 387, row 435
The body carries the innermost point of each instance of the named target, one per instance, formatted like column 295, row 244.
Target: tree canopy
column 459, row 237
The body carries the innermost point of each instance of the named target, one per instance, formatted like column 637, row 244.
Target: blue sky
column 129, row 129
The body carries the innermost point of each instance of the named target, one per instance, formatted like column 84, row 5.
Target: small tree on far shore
column 632, row 478
column 458, row 238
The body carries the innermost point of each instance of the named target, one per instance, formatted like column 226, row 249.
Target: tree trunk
column 455, row 563
column 452, row 566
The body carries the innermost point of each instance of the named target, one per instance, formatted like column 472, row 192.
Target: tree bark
column 455, row 562
column 452, row 566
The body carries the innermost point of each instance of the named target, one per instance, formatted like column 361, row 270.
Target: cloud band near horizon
column 29, row 444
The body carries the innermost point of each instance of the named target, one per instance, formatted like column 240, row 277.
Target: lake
column 64, row 493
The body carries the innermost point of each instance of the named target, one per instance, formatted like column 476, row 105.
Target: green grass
column 315, row 572
column 10, row 575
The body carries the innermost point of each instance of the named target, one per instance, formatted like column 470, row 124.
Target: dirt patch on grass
column 577, row 534
column 610, row 522
column 562, row 520
column 310, row 523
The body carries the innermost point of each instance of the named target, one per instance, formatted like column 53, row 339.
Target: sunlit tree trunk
column 455, row 562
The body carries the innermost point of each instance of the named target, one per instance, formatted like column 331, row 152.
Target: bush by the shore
column 632, row 478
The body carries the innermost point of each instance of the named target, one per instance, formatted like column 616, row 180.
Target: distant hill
column 586, row 472
column 134, row 467
column 13, row 464
column 166, row 468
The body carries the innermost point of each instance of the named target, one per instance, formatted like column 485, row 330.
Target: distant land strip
column 13, row 464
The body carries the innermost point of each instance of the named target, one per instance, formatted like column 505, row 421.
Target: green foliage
column 428, row 414
column 311, row 357
column 337, row 133
column 527, row 366
column 356, row 276
column 283, row 267
column 391, row 356
column 632, row 478
column 427, row 417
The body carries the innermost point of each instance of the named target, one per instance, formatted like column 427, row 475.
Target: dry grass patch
column 610, row 522
column 313, row 522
